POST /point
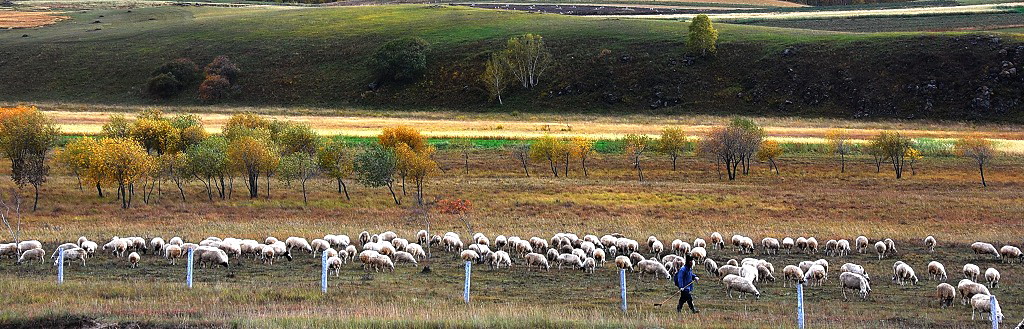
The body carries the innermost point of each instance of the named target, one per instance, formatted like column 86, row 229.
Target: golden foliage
column 391, row 137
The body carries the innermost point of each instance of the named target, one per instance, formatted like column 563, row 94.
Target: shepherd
column 685, row 279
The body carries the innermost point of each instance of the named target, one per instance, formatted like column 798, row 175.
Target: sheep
column 861, row 243
column 854, row 268
column 538, row 243
column 570, row 260
column 534, row 259
column 588, row 248
column 469, row 255
column 210, row 255
column 801, row 244
column 983, row 304
column 500, row 242
column 589, row 265
column 552, row 254
column 364, row 237
column 815, row 275
column 971, row 271
column 929, row 241
column 729, row 269
column 698, row 242
column 787, row 244
column 29, row 245
column 905, row 273
column 740, row 284
column 387, row 236
column 366, row 257
column 416, row 251
column 90, row 247
column 677, row 247
column 608, row 240
column 173, row 252
column 481, row 240
column 699, row 255
column 422, row 237
column 81, row 240
column 880, row 249
column 736, row 239
column 936, row 271
column 746, row 245
column 334, row 265
column 56, row 252
column 764, row 274
column 636, row 258
column 268, row 241
column 992, row 277
column 351, row 253
column 812, row 245
column 732, row 262
column 843, row 247
column 717, row 242
column 793, row 274
column 268, row 255
column 623, row 262
column 854, row 281
column 653, row 267
column 300, row 243
column 983, row 248
column 133, row 259
column 831, row 247
column 155, row 245
column 33, row 254
column 945, row 293
column 771, row 246
column 599, row 257
column 405, row 257
column 382, row 262
column 1009, row 253
column 117, row 247
column 73, row 254
column 890, row 246
column 967, row 288
column 523, row 247
column 319, row 245
column 710, row 266
column 9, row 250
column 805, row 265
column 650, row 241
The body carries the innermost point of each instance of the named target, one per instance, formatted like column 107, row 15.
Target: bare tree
column 979, row 149
column 10, row 211
column 521, row 151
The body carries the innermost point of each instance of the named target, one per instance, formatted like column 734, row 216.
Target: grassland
column 937, row 23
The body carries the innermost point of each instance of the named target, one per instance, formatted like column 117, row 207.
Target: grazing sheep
column 9, row 250
column 366, row 257
column 801, row 244
column 930, row 242
column 740, row 284
column 746, row 245
column 729, row 269
column 636, row 257
column 523, row 247
column 212, row 256
column 334, row 266
column 881, row 249
column 82, row 239
column 815, row 275
column 805, row 265
column 387, row 236
column 736, row 239
column 56, row 252
column 364, row 237
column 983, row 248
column 268, row 241
column 155, row 245
column 116, row 246
column 653, row 268
column 405, row 257
column 319, row 245
column 589, row 265
column 650, row 241
column 416, row 250
column 861, row 243
column 992, row 277
column 500, row 242
column 904, row 274
column 945, row 293
column 469, row 255
column 552, row 254
column 133, row 259
column 599, row 257
column 382, row 262
column 983, row 304
column 967, row 288
column 971, row 271
column 1009, row 253
column 831, row 247
column 624, row 263
column 73, row 254
column 771, row 246
column 764, row 274
column 788, row 244
column 843, row 248
column 854, row 268
column 812, row 245
column 711, row 266
column 422, row 237
column 793, row 274
column 33, row 254
column 299, row 243
column 573, row 261
column 732, row 262
column 699, row 255
column 677, row 247
column 698, row 242
column 268, row 255
column 890, row 246
column 173, row 252
column 90, row 247
column 29, row 245
column 717, row 242
column 936, row 271
column 501, row 258
column 177, row 241
column 854, row 281
column 608, row 240
column 537, row 260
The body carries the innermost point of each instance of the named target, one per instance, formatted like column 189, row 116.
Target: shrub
column 223, row 66
column 214, row 88
column 401, row 60
column 164, row 85
column 183, row 69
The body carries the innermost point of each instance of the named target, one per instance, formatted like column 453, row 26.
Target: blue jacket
column 683, row 278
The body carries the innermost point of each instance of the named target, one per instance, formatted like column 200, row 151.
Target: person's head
column 687, row 260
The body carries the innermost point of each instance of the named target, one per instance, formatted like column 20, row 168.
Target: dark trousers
column 685, row 297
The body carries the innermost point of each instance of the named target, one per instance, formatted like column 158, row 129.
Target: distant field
column 21, row 19
column 957, row 22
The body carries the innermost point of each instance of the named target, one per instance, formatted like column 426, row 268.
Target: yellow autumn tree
column 547, row 148
column 673, row 143
column 75, row 157
column 582, row 148
column 769, row 151
column 391, row 137
column 419, row 166
column 252, row 156
column 123, row 162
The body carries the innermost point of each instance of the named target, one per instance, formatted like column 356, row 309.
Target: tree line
column 140, row 156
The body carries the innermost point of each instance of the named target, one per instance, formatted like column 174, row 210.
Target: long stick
column 673, row 294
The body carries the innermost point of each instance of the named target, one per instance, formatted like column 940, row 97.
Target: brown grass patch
column 28, row 19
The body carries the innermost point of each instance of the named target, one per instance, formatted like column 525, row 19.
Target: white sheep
column 570, row 260
column 537, row 260
column 967, row 288
column 155, row 245
column 740, row 284
column 904, row 274
column 831, row 247
column 971, row 271
column 801, row 244
column 711, row 266
column 589, row 265
column 746, row 245
column 698, row 242
column 117, row 246
column 983, row 304
column 319, row 245
column 623, row 262
column 334, row 265
column 422, row 237
column 173, row 252
column 210, row 255
column 861, row 243
column 812, row 245
column 717, row 242
column 843, row 247
column 501, row 258
column 992, row 277
column 854, row 268
column 736, row 238
column 729, row 269
column 29, row 245
column 74, row 254
column 90, row 247
column 405, row 257
column 133, row 259
column 388, row 236
column 500, row 242
column 699, row 255
column 382, row 262
column 792, row 273
column 416, row 250
column 469, row 255
column 9, row 250
column 771, row 246
column 653, row 268
column 366, row 257
column 983, row 248
column 936, row 271
column 1009, row 253
column 268, row 254
column 788, row 244
column 854, row 281
column 552, row 254
column 33, row 254
column 929, row 241
column 890, row 246
column 815, row 275
column 881, row 249
column 599, row 257
column 295, row 242
column 945, row 293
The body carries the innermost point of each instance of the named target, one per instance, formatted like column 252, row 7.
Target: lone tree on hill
column 703, row 36
column 979, row 149
column 527, row 58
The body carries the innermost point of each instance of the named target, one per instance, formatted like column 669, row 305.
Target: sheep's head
column 288, row 255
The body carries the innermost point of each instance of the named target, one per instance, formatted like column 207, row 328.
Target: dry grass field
column 23, row 19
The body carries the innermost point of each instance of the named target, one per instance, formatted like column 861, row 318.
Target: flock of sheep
column 380, row 252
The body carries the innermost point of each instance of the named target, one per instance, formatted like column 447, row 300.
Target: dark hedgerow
column 183, row 69
column 402, row 60
column 164, row 85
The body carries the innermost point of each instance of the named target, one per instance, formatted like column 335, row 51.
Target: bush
column 214, row 88
column 164, row 85
column 401, row 60
column 223, row 67
column 183, row 69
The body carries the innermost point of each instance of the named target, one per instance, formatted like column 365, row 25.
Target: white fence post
column 60, row 267
column 994, row 312
column 622, row 287
column 188, row 277
column 323, row 273
column 800, row 305
column 465, row 291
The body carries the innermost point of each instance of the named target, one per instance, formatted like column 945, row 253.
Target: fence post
column 465, row 291
column 994, row 312
column 323, row 273
column 622, row 287
column 60, row 267
column 188, row 277
column 800, row 305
